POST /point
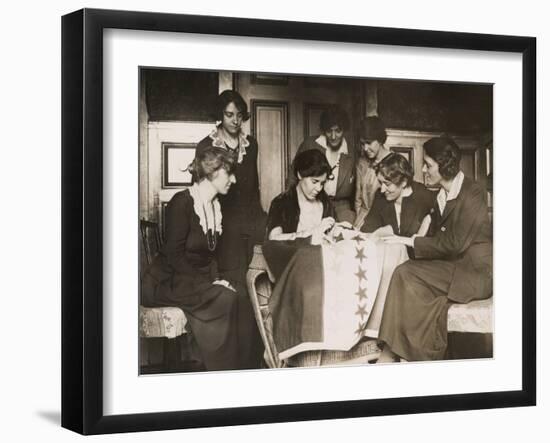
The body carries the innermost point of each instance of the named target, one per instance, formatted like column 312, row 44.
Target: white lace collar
column 218, row 142
column 198, row 206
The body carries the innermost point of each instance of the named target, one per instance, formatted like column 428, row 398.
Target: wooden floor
column 181, row 355
column 167, row 356
column 466, row 345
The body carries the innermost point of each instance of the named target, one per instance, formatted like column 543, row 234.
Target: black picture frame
column 82, row 230
column 405, row 151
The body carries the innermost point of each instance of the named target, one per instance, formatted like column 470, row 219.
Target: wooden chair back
column 150, row 238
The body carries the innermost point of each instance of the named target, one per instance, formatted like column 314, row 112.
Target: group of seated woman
column 207, row 246
column 447, row 235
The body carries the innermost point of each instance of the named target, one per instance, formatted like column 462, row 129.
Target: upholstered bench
column 159, row 329
column 166, row 322
column 474, row 318
column 470, row 330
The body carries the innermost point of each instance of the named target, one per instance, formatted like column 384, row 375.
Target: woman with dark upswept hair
column 244, row 219
column 304, row 211
column 185, row 273
column 452, row 264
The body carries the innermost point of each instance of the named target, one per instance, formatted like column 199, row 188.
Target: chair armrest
column 259, row 290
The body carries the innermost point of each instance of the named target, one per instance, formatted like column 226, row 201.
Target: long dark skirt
column 414, row 322
column 212, row 313
column 234, row 253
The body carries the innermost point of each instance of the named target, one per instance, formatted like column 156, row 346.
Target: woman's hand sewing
column 326, row 224
column 344, row 225
column 318, row 232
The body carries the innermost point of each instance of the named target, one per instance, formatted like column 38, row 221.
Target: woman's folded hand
column 396, row 239
column 224, row 283
column 425, row 226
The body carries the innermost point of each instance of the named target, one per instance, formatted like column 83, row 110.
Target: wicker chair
column 260, row 289
column 474, row 318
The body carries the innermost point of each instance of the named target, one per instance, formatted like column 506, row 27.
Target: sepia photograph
column 272, row 221
column 292, row 221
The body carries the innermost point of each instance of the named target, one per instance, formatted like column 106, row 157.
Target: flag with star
column 324, row 296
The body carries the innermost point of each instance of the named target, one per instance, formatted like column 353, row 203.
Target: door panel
column 270, row 128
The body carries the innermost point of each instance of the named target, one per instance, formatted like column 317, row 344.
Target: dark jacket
column 463, row 234
column 413, row 210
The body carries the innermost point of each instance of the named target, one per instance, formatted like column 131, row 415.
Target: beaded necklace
column 211, row 234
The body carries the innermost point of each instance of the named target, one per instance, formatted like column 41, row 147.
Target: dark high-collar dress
column 182, row 275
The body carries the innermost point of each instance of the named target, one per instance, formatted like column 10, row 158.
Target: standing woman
column 185, row 274
column 334, row 123
column 372, row 136
column 244, row 219
column 453, row 264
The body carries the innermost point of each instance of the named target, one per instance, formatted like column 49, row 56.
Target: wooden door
column 284, row 110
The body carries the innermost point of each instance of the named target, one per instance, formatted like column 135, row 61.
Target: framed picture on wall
column 312, row 116
column 176, row 159
column 407, row 152
column 102, row 389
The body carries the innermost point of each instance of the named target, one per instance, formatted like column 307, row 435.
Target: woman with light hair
column 185, row 273
column 401, row 206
